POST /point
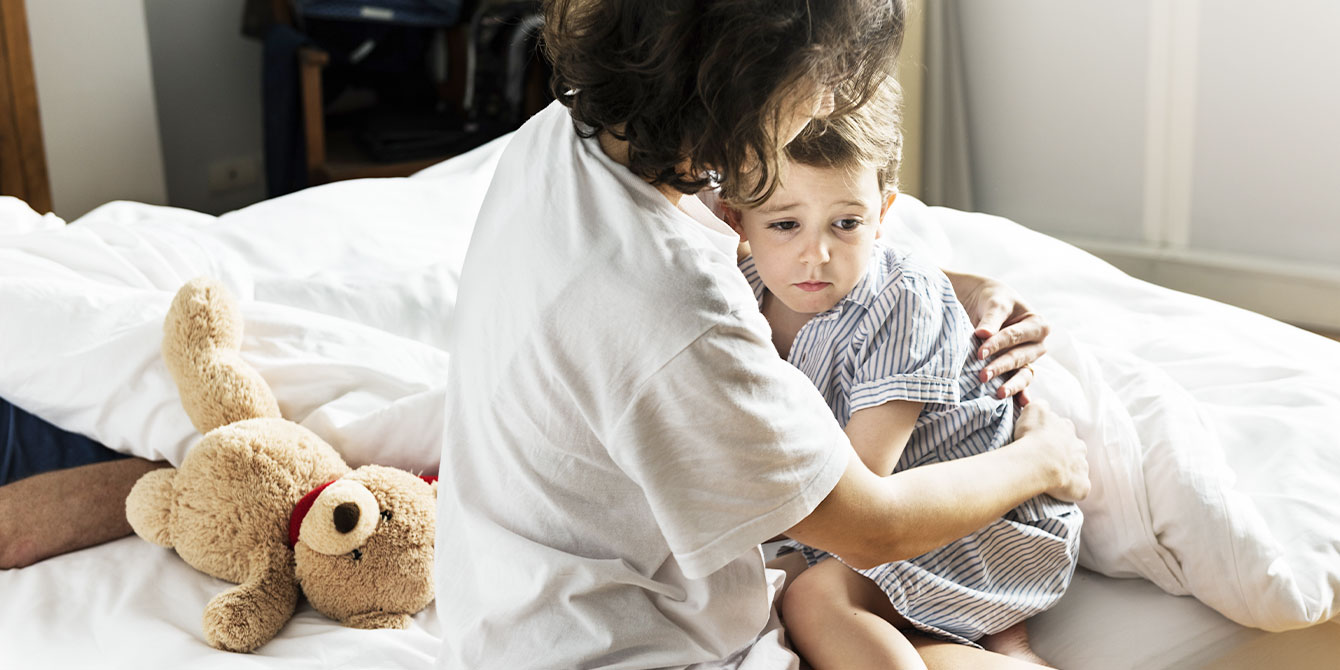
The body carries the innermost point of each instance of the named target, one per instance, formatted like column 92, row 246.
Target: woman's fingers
column 995, row 313
column 1028, row 327
column 1019, row 381
column 1014, row 359
column 1010, row 332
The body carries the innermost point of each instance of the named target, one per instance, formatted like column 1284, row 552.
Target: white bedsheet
column 1197, row 414
column 131, row 605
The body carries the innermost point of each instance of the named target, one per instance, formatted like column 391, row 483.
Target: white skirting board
column 1304, row 294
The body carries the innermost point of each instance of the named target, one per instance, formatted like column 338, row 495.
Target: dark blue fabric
column 285, row 143
column 29, row 445
column 409, row 12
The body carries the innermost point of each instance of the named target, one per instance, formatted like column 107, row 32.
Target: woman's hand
column 1055, row 436
column 1010, row 331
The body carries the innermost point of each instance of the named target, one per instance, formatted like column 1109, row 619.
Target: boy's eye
column 847, row 224
column 783, row 225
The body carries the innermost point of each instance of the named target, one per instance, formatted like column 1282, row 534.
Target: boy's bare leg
column 943, row 655
column 792, row 564
column 64, row 510
column 1013, row 642
column 836, row 618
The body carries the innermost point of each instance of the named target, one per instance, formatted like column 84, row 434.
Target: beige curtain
column 946, row 165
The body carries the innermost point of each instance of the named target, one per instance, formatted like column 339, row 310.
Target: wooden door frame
column 23, row 160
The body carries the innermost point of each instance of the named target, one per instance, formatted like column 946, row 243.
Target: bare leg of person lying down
column 59, row 491
column 61, row 511
column 837, row 618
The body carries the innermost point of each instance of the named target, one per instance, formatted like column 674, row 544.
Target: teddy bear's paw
column 202, row 341
column 378, row 619
column 247, row 616
column 149, row 506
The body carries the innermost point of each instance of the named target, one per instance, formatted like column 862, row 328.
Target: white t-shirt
column 621, row 434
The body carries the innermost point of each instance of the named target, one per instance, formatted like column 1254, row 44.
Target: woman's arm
column 880, row 433
column 871, row 520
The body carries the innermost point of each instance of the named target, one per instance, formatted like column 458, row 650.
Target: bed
column 1212, row 537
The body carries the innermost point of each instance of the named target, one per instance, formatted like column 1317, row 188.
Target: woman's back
column 600, row 500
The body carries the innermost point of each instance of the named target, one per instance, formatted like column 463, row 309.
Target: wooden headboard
column 23, row 161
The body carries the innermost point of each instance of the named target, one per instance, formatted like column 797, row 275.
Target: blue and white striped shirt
column 901, row 334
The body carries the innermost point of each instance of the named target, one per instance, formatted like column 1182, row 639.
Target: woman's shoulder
column 565, row 217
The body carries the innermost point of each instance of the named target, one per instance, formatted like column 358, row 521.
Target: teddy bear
column 264, row 503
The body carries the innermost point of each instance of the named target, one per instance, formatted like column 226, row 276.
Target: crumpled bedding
column 1211, row 429
column 346, row 289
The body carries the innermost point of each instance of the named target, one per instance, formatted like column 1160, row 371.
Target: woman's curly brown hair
column 870, row 137
column 704, row 81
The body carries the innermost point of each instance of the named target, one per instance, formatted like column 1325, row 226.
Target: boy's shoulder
column 895, row 271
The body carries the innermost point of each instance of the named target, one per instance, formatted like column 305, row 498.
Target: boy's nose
column 815, row 253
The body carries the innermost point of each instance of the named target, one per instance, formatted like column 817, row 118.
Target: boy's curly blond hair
column 870, row 137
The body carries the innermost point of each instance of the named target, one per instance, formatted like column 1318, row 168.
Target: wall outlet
column 233, row 173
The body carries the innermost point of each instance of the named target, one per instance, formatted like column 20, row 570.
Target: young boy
column 887, row 343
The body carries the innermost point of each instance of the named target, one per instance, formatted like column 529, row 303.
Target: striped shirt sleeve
column 917, row 348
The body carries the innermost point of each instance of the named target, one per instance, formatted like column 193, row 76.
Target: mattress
column 1104, row 623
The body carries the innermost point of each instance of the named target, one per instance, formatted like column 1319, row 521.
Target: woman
column 621, row 435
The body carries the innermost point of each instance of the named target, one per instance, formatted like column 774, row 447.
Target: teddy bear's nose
column 341, row 519
column 346, row 517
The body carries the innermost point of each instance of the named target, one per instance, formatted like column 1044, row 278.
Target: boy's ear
column 884, row 209
column 888, row 202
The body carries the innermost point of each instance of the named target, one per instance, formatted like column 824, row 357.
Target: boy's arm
column 880, row 433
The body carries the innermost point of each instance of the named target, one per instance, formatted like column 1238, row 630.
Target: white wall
column 99, row 123
column 207, row 81
column 1191, row 142
column 1267, row 130
column 1056, row 103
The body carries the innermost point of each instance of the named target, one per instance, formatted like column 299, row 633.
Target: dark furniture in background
column 349, row 98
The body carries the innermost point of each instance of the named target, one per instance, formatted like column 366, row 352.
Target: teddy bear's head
column 360, row 545
column 363, row 546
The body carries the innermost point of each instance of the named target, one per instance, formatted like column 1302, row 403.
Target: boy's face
column 813, row 238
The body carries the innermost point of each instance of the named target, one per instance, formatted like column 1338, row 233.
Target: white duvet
column 1212, row 430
